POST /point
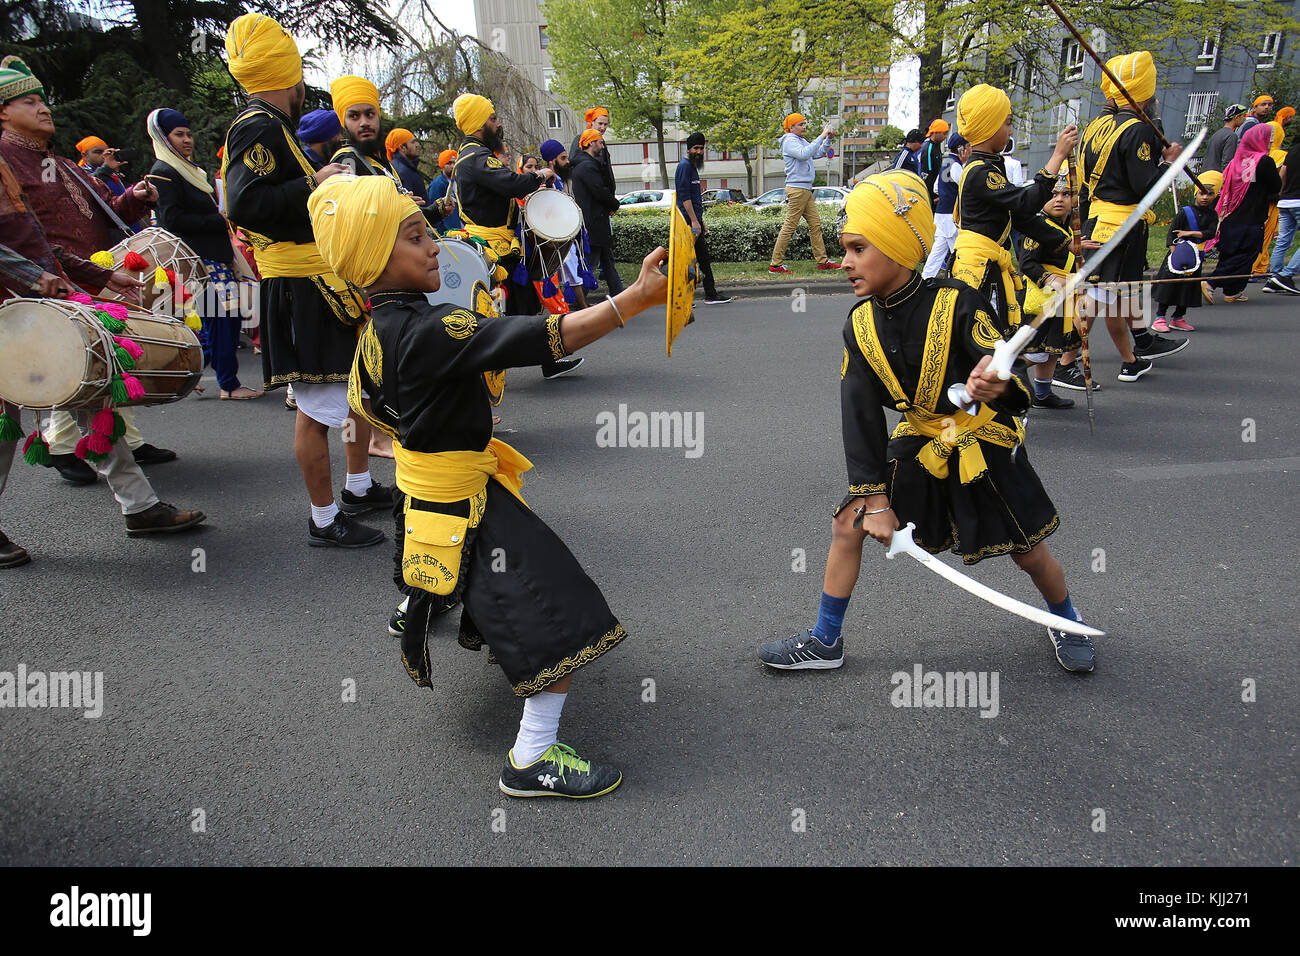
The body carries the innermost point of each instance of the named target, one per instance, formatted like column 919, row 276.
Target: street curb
column 783, row 287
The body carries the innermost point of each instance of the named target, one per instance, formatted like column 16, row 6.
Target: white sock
column 324, row 517
column 359, row 484
column 406, row 601
column 538, row 728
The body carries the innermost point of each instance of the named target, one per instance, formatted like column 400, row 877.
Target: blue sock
column 830, row 618
column 1065, row 609
column 1042, row 387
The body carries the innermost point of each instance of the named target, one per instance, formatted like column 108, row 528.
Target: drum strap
column 94, row 194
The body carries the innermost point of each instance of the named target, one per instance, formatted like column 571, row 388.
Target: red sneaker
column 829, row 264
column 1182, row 325
column 780, row 270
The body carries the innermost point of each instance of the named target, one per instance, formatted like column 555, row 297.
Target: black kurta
column 1034, row 258
column 1127, row 174
column 524, row 593
column 1006, row 510
column 308, row 327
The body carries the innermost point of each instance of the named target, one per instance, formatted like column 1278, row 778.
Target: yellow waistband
column 455, row 475
column 1110, row 215
column 290, row 259
column 960, row 433
column 978, row 244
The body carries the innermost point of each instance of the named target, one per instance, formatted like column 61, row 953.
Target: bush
column 736, row 233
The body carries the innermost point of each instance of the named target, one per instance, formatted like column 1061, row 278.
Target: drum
column 55, row 354
column 461, row 267
column 160, row 248
column 552, row 221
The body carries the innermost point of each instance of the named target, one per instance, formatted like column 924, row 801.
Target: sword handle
column 1005, row 352
column 901, row 542
column 958, row 395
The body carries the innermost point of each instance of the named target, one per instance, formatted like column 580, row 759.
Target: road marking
column 1209, row 469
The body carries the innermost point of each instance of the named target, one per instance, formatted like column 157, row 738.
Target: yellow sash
column 1036, row 296
column 957, row 432
column 974, row 252
column 457, row 475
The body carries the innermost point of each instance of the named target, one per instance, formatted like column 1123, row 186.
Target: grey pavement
column 223, row 688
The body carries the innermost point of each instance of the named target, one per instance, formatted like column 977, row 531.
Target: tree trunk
column 934, row 93
column 663, row 153
column 162, row 37
column 749, row 172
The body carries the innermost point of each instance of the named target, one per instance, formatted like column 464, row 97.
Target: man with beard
column 592, row 193
column 356, row 102
column 689, row 201
column 441, row 195
column 576, row 273
column 598, row 119
column 486, row 193
column 320, row 134
column 309, row 316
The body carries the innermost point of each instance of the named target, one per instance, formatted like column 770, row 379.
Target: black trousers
column 704, row 263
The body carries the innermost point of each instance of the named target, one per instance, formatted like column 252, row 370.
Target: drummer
column 575, row 273
column 486, row 189
column 76, row 212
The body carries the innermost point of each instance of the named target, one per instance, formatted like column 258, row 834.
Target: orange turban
column 591, row 114
column 445, row 157
column 938, row 126
column 1262, row 98
column 791, row 120
column 396, row 139
column 90, row 142
column 1284, row 114
column 588, row 137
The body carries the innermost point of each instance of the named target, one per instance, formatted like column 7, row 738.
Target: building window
column 1013, row 74
column 1071, row 60
column 1200, row 106
column 552, row 119
column 1208, row 58
column 1269, row 51
column 1067, row 113
column 1025, row 133
column 542, row 37
column 672, row 112
column 951, row 104
column 548, row 78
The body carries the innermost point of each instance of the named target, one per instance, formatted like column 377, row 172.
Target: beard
column 697, row 162
column 366, row 147
column 492, row 140
column 562, row 169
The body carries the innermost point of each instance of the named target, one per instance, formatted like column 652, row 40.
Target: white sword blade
column 903, row 544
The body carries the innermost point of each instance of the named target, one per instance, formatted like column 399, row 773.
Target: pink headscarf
column 1241, row 171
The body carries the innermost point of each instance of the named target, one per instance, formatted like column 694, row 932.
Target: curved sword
column 903, row 544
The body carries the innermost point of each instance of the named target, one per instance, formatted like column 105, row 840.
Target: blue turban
column 955, row 142
column 319, row 126
column 550, row 149
column 169, row 120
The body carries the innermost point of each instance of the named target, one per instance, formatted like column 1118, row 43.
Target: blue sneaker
column 1074, row 652
column 802, row 652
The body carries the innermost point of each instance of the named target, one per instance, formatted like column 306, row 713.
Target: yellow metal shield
column 682, row 275
column 495, row 381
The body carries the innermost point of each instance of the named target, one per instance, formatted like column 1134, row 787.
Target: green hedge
column 736, row 233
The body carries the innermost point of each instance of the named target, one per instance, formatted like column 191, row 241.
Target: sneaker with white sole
column 1182, row 325
column 1282, row 284
column 1160, row 325
column 802, row 652
column 1132, row 371
column 1074, row 652
column 559, row 772
column 1159, row 347
column 1071, row 376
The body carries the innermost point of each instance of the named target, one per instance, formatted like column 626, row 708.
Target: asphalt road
column 223, row 688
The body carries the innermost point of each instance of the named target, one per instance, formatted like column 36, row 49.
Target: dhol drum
column 55, row 354
column 461, row 268
column 552, row 221
column 159, row 247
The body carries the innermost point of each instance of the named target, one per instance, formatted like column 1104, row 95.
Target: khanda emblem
column 260, row 160
column 460, row 324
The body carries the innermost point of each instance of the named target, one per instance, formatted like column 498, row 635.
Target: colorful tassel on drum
column 116, row 309
column 109, row 323
column 192, row 321
column 119, row 426
column 35, row 451
column 117, row 388
column 130, row 348
column 133, row 387
column 99, row 445
column 548, row 287
column 86, row 453
column 81, row 298
column 102, row 423
column 134, row 262
column 124, row 358
column 103, row 258
column 10, row 429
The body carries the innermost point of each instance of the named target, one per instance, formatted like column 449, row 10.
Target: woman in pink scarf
column 1250, row 184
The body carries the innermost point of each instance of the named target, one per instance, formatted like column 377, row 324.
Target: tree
column 889, row 137
column 616, row 54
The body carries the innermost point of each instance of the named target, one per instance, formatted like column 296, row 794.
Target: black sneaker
column 724, row 299
column 73, row 469
column 1074, row 652
column 376, row 496
column 559, row 772
column 1052, row 401
column 1281, row 283
column 1132, row 371
column 343, row 533
column 802, row 652
column 1159, row 347
column 152, row 455
column 397, row 623
column 555, row 369
column 1071, row 376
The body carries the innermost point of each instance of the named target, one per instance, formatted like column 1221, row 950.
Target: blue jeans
column 1287, row 220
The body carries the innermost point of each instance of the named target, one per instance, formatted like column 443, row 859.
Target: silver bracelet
column 617, row 314
column 878, row 511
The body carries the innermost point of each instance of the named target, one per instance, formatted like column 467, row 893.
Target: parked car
column 726, row 196
column 827, row 194
column 648, row 198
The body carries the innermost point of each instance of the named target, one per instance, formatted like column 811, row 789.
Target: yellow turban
column 892, row 211
column 396, row 140
column 1278, row 134
column 1211, row 178
column 355, row 219
column 792, row 120
column 981, row 111
column 352, row 91
column 261, row 54
column 1137, row 71
column 1262, row 98
column 471, row 112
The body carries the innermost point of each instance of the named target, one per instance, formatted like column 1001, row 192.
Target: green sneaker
column 559, row 772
